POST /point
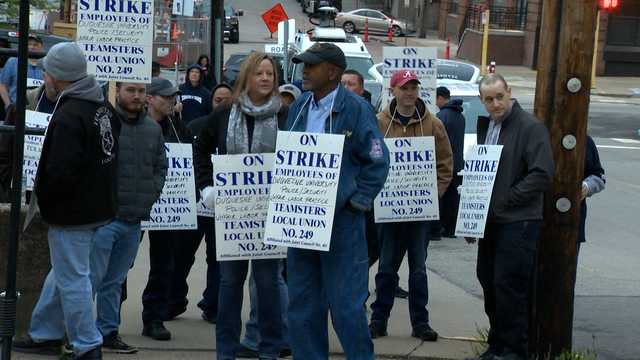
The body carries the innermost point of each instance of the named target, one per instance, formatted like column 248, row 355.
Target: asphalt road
column 607, row 306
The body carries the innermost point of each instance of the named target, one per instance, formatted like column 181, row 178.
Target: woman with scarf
column 248, row 125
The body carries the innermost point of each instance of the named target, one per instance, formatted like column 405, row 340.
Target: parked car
column 379, row 22
column 232, row 23
column 231, row 67
column 9, row 39
column 311, row 6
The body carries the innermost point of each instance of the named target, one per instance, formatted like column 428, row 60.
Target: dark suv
column 9, row 39
column 232, row 24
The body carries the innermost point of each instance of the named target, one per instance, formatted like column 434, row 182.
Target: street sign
column 273, row 16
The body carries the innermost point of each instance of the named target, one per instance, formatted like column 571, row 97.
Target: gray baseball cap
column 65, row 62
column 290, row 89
column 162, row 87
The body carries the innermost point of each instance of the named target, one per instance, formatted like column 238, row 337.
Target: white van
column 355, row 51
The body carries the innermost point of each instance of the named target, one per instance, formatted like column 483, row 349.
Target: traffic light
column 609, row 5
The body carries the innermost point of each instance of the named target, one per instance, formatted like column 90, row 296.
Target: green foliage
column 577, row 355
column 11, row 7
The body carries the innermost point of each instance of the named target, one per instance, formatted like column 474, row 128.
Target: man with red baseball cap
column 407, row 116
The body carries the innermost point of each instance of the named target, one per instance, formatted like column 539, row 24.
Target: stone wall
column 33, row 263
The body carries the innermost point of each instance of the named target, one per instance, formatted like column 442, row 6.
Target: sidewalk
column 455, row 314
column 522, row 77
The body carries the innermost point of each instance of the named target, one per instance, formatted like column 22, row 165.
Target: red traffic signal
column 609, row 4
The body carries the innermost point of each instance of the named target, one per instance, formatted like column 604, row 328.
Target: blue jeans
column 335, row 280
column 398, row 239
column 252, row 331
column 115, row 248
column 65, row 302
column 229, row 324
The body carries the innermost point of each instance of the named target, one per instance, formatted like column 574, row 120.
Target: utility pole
column 422, row 19
column 216, row 44
column 562, row 102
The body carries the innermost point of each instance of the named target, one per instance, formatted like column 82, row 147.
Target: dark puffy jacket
column 526, row 167
column 77, row 173
column 142, row 167
column 196, row 101
column 454, row 122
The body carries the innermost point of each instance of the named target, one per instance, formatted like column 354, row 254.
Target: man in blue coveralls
column 337, row 279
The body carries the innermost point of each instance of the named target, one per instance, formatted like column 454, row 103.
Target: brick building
column 515, row 29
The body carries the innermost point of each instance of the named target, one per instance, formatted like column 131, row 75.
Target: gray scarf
column 264, row 131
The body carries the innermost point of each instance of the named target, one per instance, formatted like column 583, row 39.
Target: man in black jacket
column 142, row 168
column 164, row 257
column 451, row 116
column 75, row 189
column 507, row 252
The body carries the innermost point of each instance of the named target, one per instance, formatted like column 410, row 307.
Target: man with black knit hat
column 75, row 189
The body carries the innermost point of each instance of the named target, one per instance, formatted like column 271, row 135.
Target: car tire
column 234, row 38
column 349, row 27
column 396, row 30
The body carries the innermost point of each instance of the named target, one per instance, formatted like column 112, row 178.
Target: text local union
column 129, row 6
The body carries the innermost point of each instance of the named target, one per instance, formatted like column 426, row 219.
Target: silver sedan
column 379, row 22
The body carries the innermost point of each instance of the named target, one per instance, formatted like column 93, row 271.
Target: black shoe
column 245, row 353
column 489, row 354
column 285, row 352
column 93, row 354
column 509, row 355
column 113, row 343
column 401, row 293
column 174, row 312
column 209, row 318
column 435, row 237
column 424, row 333
column 29, row 346
column 378, row 329
column 156, row 331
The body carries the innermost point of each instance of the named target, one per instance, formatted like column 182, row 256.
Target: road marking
column 626, row 141
column 618, row 147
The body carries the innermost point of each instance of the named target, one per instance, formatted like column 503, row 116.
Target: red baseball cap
column 402, row 77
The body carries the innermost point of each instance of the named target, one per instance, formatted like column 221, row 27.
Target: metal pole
column 212, row 34
column 286, row 51
column 595, row 52
column 485, row 41
column 218, row 60
column 10, row 298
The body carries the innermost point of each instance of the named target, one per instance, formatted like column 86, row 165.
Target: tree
column 11, row 7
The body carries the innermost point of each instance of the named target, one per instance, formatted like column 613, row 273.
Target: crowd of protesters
column 103, row 166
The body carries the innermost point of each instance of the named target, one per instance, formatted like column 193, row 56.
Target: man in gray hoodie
column 142, row 168
column 75, row 191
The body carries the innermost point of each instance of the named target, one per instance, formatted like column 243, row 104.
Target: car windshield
column 359, row 64
column 472, row 107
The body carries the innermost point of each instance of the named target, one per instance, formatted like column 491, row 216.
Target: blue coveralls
column 337, row 280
